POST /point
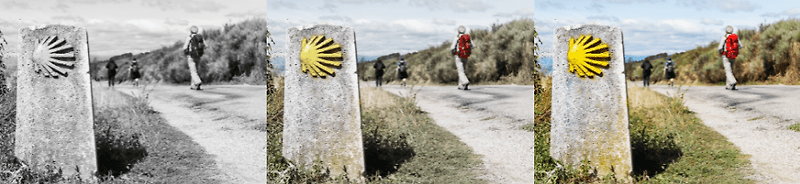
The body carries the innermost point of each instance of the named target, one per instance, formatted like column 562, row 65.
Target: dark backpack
column 402, row 68
column 732, row 46
column 670, row 68
column 464, row 46
column 196, row 46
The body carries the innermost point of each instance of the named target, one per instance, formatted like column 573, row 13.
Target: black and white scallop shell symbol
column 53, row 57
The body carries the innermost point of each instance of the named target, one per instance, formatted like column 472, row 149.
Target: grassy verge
column 795, row 127
column 134, row 145
column 669, row 145
column 401, row 145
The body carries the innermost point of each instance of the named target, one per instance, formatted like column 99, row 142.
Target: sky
column 392, row 26
column 122, row 26
column 650, row 27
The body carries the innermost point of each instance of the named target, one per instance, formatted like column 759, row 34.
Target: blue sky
column 121, row 26
column 654, row 26
column 388, row 26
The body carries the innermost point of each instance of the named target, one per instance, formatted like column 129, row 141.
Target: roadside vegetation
column 669, row 144
column 504, row 55
column 795, row 127
column 401, row 145
column 769, row 56
column 234, row 54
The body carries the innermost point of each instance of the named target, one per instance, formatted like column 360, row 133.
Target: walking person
column 378, row 72
column 111, row 68
column 646, row 71
column 402, row 74
column 194, row 50
column 669, row 71
column 134, row 71
column 461, row 48
column 729, row 48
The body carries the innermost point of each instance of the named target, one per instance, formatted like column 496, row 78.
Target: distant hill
column 236, row 53
column 771, row 54
column 504, row 55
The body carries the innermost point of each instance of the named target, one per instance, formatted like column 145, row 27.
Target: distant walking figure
column 112, row 71
column 194, row 50
column 461, row 49
column 401, row 71
column 669, row 71
column 378, row 72
column 646, row 71
column 729, row 48
column 134, row 71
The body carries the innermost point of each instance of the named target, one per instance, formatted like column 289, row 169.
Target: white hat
column 462, row 29
column 729, row 29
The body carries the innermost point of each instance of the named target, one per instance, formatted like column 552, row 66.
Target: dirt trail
column 755, row 119
column 488, row 120
column 222, row 120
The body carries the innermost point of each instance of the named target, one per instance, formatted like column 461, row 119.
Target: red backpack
column 732, row 46
column 464, row 46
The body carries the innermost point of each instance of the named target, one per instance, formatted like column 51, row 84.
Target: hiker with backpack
column 111, row 68
column 194, row 50
column 134, row 71
column 378, row 72
column 461, row 49
column 729, row 48
column 646, row 71
column 669, row 71
column 401, row 71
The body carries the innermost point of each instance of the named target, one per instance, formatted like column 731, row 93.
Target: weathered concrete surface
column 322, row 117
column 55, row 122
column 590, row 115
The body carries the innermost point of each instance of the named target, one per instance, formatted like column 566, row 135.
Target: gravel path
column 755, row 119
column 487, row 119
column 222, row 120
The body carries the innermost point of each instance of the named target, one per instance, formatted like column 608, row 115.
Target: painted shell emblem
column 316, row 54
column 587, row 55
column 53, row 57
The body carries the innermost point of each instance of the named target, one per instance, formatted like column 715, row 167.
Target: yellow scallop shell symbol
column 315, row 53
column 587, row 55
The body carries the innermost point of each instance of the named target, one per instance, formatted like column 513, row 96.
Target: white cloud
column 279, row 4
column 727, row 6
column 455, row 5
column 441, row 21
column 188, row 6
column 604, row 17
column 790, row 13
column 528, row 12
column 708, row 21
column 548, row 4
column 16, row 4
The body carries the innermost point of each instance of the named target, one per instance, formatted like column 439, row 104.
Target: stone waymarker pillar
column 55, row 121
column 322, row 117
column 589, row 108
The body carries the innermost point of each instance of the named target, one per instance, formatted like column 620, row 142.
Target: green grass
column 669, row 145
column 795, row 127
column 401, row 145
column 756, row 118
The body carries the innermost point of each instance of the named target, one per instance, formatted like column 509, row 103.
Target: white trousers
column 729, row 79
column 193, row 69
column 462, row 77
